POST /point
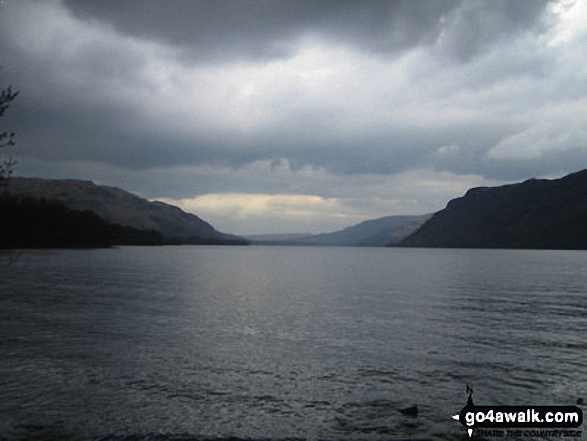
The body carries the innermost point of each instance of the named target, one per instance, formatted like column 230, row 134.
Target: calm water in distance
column 199, row 342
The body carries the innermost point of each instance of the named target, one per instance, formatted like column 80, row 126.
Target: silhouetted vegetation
column 6, row 137
column 539, row 214
column 34, row 223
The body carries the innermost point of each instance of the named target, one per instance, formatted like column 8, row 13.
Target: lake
column 201, row 342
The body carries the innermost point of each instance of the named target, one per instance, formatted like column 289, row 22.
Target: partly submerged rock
column 410, row 411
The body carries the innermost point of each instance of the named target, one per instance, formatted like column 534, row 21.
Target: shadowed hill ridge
column 538, row 213
column 121, row 207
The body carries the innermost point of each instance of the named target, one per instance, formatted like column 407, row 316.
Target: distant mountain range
column 116, row 206
column 538, row 213
column 286, row 237
column 376, row 232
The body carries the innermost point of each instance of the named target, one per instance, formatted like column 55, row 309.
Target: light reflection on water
column 274, row 343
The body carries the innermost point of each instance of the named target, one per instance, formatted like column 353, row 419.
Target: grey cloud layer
column 268, row 28
column 228, row 29
column 445, row 85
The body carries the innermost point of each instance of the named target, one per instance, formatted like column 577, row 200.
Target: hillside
column 538, row 213
column 375, row 232
column 120, row 207
column 38, row 223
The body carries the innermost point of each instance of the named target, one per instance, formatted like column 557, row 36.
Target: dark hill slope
column 539, row 213
column 120, row 207
column 38, row 223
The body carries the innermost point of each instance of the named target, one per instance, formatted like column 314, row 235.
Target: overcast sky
column 271, row 116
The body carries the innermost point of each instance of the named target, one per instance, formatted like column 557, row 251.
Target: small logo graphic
column 468, row 407
column 558, row 420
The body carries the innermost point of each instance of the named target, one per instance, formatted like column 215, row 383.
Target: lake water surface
column 199, row 342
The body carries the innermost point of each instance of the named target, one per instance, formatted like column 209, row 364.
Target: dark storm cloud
column 407, row 84
column 477, row 24
column 226, row 29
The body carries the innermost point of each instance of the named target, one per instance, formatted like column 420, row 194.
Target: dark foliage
column 539, row 214
column 33, row 223
column 6, row 137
